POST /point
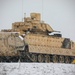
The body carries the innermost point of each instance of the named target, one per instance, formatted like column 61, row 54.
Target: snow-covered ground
column 36, row 69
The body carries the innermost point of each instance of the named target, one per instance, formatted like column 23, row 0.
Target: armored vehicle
column 35, row 41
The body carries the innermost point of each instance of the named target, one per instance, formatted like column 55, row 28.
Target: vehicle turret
column 32, row 24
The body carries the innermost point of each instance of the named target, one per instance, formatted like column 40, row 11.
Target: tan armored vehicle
column 36, row 42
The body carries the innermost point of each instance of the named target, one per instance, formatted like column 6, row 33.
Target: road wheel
column 40, row 58
column 47, row 58
column 61, row 59
column 67, row 59
column 55, row 58
column 34, row 57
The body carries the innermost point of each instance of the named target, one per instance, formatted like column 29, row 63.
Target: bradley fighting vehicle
column 35, row 41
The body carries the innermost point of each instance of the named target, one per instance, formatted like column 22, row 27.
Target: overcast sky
column 60, row 14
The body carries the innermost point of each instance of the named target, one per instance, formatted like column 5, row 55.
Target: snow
column 36, row 69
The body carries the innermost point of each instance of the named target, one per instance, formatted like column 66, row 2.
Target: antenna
column 22, row 10
column 24, row 15
column 42, row 9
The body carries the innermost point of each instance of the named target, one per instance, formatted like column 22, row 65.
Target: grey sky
column 60, row 14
